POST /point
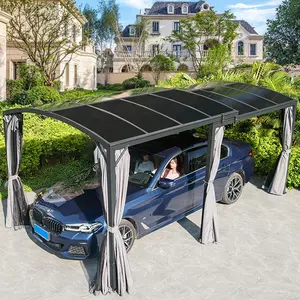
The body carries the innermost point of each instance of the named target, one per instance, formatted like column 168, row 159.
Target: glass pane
column 197, row 159
column 252, row 49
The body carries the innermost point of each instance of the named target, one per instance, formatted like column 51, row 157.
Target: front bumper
column 68, row 244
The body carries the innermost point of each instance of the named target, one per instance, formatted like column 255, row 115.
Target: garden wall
column 112, row 78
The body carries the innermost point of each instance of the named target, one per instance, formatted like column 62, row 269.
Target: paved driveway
column 257, row 258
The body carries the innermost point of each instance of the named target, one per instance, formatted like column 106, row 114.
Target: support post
column 111, row 181
column 209, row 162
column 293, row 126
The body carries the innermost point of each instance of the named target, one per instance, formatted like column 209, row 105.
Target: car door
column 196, row 169
column 169, row 203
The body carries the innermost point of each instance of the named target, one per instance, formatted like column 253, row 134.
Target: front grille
column 52, row 225
column 76, row 250
column 37, row 216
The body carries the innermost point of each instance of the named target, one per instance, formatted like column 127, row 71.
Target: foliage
column 41, row 95
column 31, row 76
column 20, row 98
column 135, row 82
column 243, row 66
column 115, row 87
column 82, row 93
column 198, row 29
column 161, row 63
column 45, row 31
column 46, row 141
column 180, row 80
column 217, row 59
column 282, row 38
column 13, row 86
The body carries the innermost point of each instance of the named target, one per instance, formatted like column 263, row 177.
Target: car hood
column 85, row 207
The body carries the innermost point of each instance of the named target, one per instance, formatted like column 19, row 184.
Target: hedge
column 45, row 141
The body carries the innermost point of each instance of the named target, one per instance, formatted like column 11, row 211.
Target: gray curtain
column 278, row 184
column 16, row 201
column 209, row 228
column 123, row 274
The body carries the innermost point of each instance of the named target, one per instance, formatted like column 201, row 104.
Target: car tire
column 128, row 233
column 233, row 189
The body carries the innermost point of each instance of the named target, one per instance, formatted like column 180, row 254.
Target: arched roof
column 132, row 120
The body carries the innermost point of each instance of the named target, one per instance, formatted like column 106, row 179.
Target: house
column 163, row 18
column 80, row 71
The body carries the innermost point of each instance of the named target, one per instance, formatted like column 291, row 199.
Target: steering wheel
column 149, row 173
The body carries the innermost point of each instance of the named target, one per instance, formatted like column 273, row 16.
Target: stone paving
column 257, row 258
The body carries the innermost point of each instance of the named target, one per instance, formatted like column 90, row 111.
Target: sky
column 256, row 12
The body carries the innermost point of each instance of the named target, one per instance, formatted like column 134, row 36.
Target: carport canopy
column 120, row 123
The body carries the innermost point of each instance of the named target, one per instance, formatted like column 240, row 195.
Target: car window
column 197, row 157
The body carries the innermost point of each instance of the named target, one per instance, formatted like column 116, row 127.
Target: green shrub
column 32, row 76
column 75, row 94
column 57, row 85
column 115, row 87
column 135, row 82
column 12, row 87
column 42, row 94
column 180, row 80
column 46, row 141
column 20, row 98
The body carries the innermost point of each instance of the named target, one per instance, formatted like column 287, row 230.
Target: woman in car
column 173, row 172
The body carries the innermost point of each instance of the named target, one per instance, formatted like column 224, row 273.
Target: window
column 205, row 6
column 127, row 48
column 252, row 49
column 177, row 50
column 75, row 76
column 131, row 30
column 155, row 27
column 67, row 71
column 155, row 49
column 240, row 48
column 184, row 9
column 74, row 33
column 177, row 26
column 16, row 69
column 197, row 158
column 170, row 9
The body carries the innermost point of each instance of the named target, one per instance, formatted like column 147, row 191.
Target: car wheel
column 233, row 189
column 128, row 233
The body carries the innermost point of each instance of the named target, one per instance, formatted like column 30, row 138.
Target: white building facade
column 164, row 18
column 79, row 72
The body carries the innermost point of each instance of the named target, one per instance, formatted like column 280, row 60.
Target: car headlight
column 84, row 227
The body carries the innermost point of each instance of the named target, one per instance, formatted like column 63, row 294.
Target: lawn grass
column 48, row 176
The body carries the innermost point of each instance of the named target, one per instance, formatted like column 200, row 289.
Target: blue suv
column 69, row 226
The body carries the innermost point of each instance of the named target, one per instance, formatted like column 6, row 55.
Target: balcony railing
column 149, row 54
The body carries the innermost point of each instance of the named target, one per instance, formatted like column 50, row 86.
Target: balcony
column 183, row 54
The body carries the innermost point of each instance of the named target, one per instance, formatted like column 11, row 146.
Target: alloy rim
column 127, row 235
column 234, row 189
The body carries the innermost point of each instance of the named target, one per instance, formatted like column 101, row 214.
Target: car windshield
column 86, row 177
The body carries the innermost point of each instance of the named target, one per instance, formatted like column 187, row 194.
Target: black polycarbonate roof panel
column 242, row 96
column 137, row 119
column 105, row 125
column 170, row 108
column 261, row 92
column 235, row 104
column 207, row 106
column 146, row 119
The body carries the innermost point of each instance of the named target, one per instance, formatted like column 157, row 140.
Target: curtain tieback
column 113, row 229
column 12, row 177
column 209, row 181
column 288, row 151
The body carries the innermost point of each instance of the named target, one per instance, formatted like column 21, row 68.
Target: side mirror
column 165, row 183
